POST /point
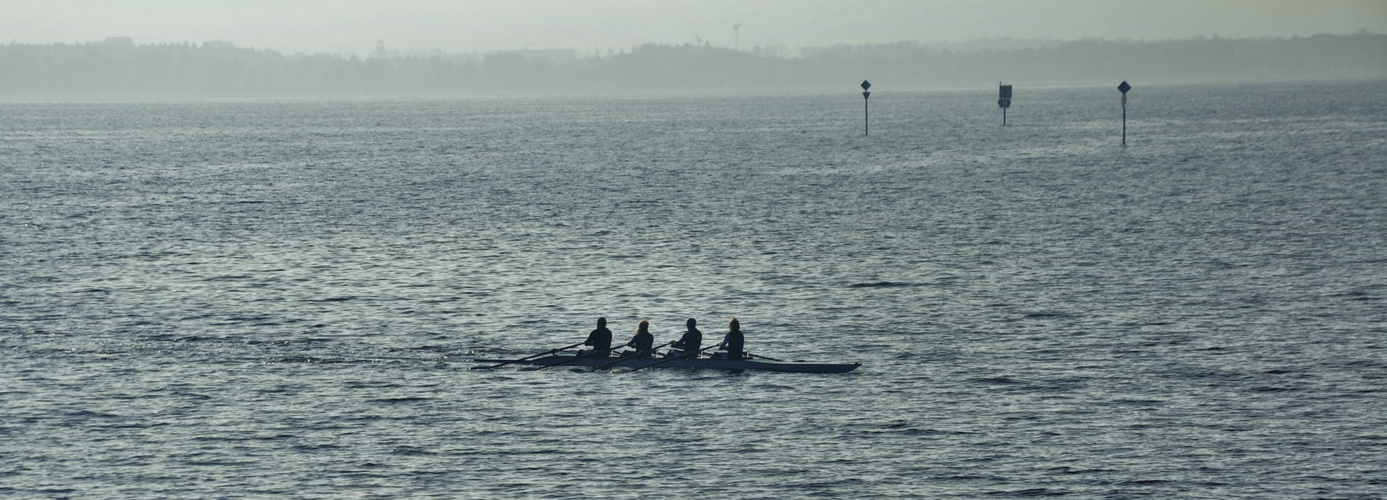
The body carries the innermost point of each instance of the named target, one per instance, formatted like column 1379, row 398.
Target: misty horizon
column 258, row 47
column 383, row 49
column 119, row 65
column 347, row 26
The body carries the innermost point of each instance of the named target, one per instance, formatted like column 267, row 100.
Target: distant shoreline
column 117, row 68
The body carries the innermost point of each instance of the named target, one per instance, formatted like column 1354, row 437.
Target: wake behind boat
column 753, row 363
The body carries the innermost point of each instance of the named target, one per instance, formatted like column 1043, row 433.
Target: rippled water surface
column 284, row 298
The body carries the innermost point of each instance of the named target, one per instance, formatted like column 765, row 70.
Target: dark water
column 283, row 298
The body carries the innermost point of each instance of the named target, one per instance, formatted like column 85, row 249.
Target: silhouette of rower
column 600, row 339
column 643, row 341
column 689, row 343
column 734, row 342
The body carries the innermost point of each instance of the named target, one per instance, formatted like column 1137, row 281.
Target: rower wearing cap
column 643, row 341
column 600, row 339
column 734, row 342
column 689, row 343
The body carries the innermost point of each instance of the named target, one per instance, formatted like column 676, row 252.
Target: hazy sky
column 465, row 25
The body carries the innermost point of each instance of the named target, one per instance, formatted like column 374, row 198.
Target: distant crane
column 737, row 28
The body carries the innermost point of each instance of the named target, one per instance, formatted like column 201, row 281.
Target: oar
column 750, row 355
column 629, row 356
column 526, row 358
column 680, row 356
column 566, row 361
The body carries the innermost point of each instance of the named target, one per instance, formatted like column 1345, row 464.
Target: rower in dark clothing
column 689, row 343
column 643, row 341
column 734, row 342
column 600, row 339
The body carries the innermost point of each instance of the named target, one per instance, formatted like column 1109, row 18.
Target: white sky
column 465, row 25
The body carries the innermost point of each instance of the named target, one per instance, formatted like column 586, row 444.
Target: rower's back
column 691, row 341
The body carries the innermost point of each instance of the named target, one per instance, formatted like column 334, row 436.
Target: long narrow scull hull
column 703, row 363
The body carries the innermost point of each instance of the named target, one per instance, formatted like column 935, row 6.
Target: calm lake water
column 283, row 298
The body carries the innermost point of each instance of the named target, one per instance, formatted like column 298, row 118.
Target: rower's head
column 643, row 327
column 734, row 325
column 691, row 323
column 601, row 322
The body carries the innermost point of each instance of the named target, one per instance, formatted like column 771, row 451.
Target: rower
column 688, row 344
column 734, row 342
column 600, row 339
column 643, row 341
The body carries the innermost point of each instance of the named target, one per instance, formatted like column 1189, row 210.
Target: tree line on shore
column 222, row 69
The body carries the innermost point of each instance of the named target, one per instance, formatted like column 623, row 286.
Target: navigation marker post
column 1004, row 99
column 1124, row 88
column 866, row 114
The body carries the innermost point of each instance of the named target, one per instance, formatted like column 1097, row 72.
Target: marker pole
column 1123, row 88
column 1003, row 100
column 1124, row 119
column 866, row 115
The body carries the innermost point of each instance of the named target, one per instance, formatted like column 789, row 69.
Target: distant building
column 556, row 56
column 381, row 52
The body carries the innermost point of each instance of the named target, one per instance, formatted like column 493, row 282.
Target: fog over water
column 119, row 68
column 347, row 26
column 182, row 49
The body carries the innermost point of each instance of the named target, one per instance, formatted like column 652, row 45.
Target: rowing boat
column 700, row 363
